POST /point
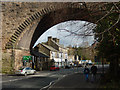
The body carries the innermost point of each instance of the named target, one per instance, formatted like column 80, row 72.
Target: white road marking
column 11, row 80
column 52, row 82
column 48, row 85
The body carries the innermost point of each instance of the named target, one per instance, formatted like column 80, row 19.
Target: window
column 57, row 55
column 28, row 69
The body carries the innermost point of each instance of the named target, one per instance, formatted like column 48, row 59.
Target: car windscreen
column 28, row 68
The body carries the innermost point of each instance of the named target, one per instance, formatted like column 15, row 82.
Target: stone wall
column 19, row 58
column 52, row 44
column 16, row 16
column 12, row 59
column 7, row 61
column 43, row 49
column 15, row 13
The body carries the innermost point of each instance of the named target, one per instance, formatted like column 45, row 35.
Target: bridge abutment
column 12, row 59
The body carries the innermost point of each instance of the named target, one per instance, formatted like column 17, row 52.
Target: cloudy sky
column 69, row 33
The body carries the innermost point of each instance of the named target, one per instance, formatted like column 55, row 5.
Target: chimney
column 56, row 40
column 49, row 39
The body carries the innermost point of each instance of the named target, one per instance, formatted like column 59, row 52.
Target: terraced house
column 58, row 54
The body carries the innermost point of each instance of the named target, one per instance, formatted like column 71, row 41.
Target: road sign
column 27, row 58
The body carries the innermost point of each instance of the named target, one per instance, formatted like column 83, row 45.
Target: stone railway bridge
column 24, row 22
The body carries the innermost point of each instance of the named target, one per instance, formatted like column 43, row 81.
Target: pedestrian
column 93, row 71
column 86, row 72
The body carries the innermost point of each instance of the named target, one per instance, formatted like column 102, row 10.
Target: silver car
column 25, row 71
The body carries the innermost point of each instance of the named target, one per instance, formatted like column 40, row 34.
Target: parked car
column 88, row 63
column 80, row 65
column 67, row 67
column 25, row 71
column 54, row 68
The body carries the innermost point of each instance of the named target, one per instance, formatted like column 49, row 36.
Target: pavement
column 75, row 81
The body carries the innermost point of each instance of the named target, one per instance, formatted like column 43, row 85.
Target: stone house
column 40, row 59
column 61, row 56
column 58, row 55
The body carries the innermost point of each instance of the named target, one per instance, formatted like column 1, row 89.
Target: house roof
column 58, row 44
column 41, row 54
column 49, row 47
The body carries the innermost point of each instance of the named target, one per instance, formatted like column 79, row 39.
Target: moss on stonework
column 7, row 66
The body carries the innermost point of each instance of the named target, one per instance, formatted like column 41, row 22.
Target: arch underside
column 59, row 16
column 52, row 18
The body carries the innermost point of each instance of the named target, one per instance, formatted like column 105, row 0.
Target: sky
column 68, row 33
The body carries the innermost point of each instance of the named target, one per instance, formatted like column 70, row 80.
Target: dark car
column 80, row 65
column 54, row 68
column 67, row 67
column 88, row 63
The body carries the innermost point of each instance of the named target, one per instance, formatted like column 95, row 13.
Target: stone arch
column 45, row 14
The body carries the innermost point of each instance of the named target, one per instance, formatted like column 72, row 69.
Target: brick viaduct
column 24, row 22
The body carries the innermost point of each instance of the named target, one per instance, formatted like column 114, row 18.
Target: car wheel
column 25, row 73
column 34, row 72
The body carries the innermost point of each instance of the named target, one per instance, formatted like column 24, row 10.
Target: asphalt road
column 44, row 80
column 32, row 82
column 76, row 81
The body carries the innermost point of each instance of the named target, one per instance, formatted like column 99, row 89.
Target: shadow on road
column 32, row 83
column 75, row 81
